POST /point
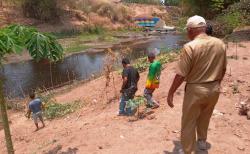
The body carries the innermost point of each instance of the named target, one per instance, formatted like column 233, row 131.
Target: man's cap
column 125, row 61
column 196, row 22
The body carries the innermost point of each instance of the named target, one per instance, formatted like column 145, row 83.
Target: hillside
column 78, row 14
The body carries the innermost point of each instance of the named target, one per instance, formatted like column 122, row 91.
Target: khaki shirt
column 202, row 60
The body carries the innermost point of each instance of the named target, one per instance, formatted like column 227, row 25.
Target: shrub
column 236, row 15
column 41, row 9
column 229, row 21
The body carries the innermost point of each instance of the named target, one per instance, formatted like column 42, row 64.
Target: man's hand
column 178, row 80
column 27, row 115
column 170, row 100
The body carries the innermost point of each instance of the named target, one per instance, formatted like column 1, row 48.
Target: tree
column 14, row 39
column 208, row 8
column 5, row 120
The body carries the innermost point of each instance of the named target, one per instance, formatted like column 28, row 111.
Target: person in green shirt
column 153, row 80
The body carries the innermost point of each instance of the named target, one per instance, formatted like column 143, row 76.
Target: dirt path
column 96, row 129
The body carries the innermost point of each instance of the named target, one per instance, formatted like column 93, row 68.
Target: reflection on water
column 20, row 78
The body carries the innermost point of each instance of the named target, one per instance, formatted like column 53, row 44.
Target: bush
column 236, row 15
column 41, row 9
column 230, row 21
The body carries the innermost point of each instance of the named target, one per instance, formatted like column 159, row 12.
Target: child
column 153, row 80
column 35, row 106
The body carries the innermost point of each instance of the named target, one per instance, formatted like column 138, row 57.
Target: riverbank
column 95, row 128
column 95, row 43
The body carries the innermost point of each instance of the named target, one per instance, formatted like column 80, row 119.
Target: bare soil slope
column 73, row 15
column 95, row 129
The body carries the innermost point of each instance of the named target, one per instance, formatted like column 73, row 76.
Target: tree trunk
column 4, row 116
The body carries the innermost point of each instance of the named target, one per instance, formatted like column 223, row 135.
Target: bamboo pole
column 5, row 121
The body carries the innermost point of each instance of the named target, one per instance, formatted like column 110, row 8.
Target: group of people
column 202, row 65
column 131, row 77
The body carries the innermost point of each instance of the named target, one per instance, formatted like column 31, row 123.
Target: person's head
column 32, row 95
column 125, row 62
column 151, row 57
column 195, row 26
column 209, row 29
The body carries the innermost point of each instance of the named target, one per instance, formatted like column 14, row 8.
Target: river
column 20, row 78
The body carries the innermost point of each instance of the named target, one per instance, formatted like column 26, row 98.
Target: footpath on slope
column 96, row 128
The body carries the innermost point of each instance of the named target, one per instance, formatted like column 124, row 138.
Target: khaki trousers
column 198, row 106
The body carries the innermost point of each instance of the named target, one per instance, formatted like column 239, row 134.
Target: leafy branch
column 16, row 38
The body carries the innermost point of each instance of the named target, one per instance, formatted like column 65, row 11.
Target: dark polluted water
column 20, row 78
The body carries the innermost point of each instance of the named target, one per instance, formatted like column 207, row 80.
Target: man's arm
column 42, row 106
column 178, row 80
column 225, row 66
column 124, row 82
column 137, row 76
column 28, row 113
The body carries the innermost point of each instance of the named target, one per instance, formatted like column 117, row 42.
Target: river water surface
column 20, row 78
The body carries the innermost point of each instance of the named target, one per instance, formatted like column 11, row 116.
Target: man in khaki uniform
column 202, row 65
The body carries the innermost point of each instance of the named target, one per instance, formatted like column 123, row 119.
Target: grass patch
column 108, row 38
column 76, row 48
column 79, row 41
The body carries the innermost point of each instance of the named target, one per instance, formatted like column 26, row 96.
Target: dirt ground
column 96, row 128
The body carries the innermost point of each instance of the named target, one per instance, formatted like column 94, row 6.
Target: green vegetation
column 16, row 38
column 143, row 1
column 229, row 21
column 234, row 16
column 142, row 64
column 75, row 41
column 75, row 48
column 172, row 2
column 181, row 23
column 135, row 103
column 56, row 110
column 208, row 8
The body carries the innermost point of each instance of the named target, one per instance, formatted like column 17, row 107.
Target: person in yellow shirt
column 202, row 65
